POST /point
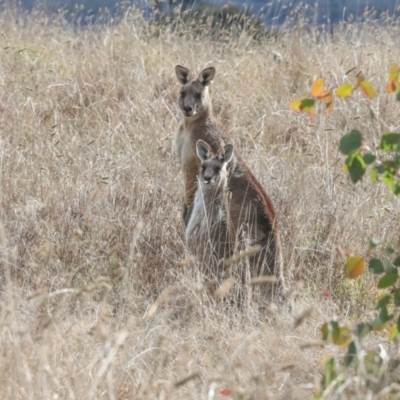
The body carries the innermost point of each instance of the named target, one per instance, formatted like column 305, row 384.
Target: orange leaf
column 325, row 96
column 225, row 392
column 367, row 89
column 394, row 74
column 360, row 79
column 313, row 115
column 317, row 88
column 355, row 266
column 329, row 108
column 392, row 86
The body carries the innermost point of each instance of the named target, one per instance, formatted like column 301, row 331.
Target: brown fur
column 251, row 210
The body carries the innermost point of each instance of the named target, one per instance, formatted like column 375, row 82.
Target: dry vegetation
column 95, row 299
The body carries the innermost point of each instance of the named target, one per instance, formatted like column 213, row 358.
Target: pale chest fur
column 197, row 224
column 183, row 146
column 208, row 214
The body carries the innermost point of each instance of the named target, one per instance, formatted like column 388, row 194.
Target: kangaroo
column 198, row 123
column 251, row 211
column 209, row 233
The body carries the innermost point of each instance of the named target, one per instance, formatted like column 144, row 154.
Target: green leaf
column 369, row 158
column 374, row 174
column 381, row 321
column 325, row 331
column 388, row 280
column 380, row 169
column 397, row 297
column 352, row 354
column 372, row 115
column 389, row 178
column 356, row 167
column 377, row 324
column 363, row 330
column 303, row 104
column 393, row 333
column 389, row 250
column 350, row 142
column 398, row 324
column 390, row 141
column 329, row 372
column 307, row 104
column 384, row 301
column 384, row 315
column 396, row 189
column 397, row 262
column 376, row 266
column 398, row 96
column 344, row 90
column 330, row 332
column 345, row 337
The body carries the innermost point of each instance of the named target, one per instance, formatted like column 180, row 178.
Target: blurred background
column 271, row 13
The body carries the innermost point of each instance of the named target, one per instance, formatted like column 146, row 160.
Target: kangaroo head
column 194, row 96
column 213, row 166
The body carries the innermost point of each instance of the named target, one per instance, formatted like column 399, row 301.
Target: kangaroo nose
column 207, row 179
column 188, row 108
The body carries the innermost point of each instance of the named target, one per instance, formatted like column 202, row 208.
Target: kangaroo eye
column 217, row 169
column 198, row 96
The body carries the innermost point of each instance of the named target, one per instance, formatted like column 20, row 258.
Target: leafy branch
column 383, row 163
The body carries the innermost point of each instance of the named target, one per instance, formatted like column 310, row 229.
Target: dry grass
column 95, row 299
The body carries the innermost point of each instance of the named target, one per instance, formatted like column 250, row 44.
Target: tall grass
column 99, row 296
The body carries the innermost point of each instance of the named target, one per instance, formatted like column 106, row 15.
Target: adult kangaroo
column 251, row 211
column 199, row 123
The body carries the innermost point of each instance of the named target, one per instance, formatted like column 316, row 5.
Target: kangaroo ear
column 228, row 155
column 206, row 76
column 203, row 150
column 183, row 74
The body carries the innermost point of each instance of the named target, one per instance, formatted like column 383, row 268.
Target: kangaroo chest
column 208, row 215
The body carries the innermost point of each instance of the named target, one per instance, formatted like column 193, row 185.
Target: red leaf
column 225, row 392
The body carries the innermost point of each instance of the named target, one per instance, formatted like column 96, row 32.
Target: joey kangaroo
column 210, row 234
column 251, row 211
